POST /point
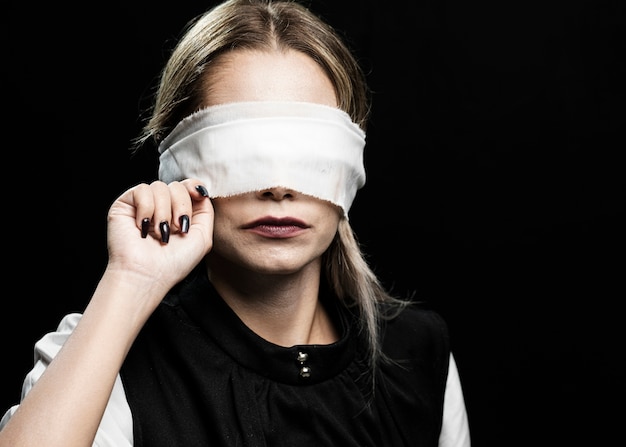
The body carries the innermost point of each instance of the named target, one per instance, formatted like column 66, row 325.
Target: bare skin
column 270, row 282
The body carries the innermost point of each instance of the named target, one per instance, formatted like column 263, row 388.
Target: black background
column 495, row 185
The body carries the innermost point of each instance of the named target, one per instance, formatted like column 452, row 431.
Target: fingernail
column 145, row 226
column 202, row 190
column 165, row 232
column 184, row 223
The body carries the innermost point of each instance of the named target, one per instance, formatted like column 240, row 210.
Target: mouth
column 276, row 227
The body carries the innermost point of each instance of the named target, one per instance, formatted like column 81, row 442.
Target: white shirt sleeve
column 116, row 427
column 455, row 428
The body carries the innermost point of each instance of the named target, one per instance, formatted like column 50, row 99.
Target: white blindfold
column 241, row 147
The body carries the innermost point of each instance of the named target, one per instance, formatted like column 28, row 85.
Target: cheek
column 224, row 210
column 330, row 223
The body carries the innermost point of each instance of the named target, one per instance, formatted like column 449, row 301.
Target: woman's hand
column 160, row 231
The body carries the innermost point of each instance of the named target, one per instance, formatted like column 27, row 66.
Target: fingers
column 165, row 209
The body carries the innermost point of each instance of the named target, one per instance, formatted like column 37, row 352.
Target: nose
column 276, row 193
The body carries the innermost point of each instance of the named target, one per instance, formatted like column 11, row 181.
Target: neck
column 282, row 309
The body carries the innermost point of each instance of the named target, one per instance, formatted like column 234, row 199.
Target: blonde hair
column 282, row 24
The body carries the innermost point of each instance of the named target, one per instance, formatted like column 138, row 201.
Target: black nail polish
column 145, row 226
column 184, row 223
column 165, row 232
column 202, row 190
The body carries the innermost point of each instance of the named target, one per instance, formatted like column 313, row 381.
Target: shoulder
column 192, row 286
column 414, row 320
column 416, row 353
column 415, row 331
column 48, row 345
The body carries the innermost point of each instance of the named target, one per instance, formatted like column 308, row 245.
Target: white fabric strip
column 250, row 146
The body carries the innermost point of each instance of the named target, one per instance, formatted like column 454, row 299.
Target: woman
column 236, row 308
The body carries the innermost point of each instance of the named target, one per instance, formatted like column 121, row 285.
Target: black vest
column 197, row 376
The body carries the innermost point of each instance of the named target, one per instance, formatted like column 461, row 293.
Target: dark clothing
column 197, row 376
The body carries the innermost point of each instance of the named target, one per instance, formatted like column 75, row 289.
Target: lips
column 277, row 222
column 277, row 227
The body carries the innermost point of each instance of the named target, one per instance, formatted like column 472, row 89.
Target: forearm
column 65, row 406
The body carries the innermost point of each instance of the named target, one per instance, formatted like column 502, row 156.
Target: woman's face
column 276, row 230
